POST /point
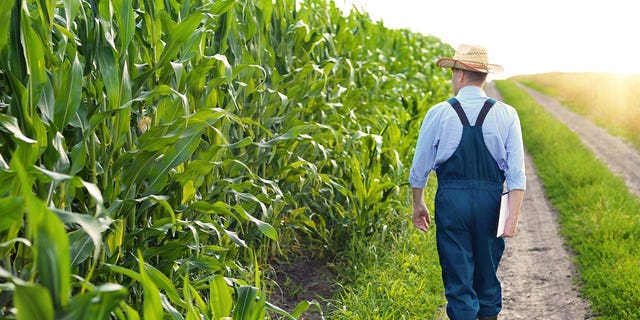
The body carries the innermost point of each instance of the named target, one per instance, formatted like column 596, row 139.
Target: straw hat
column 470, row 57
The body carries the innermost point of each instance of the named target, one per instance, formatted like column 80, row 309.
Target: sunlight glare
column 526, row 38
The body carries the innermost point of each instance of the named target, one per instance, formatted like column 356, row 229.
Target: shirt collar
column 469, row 92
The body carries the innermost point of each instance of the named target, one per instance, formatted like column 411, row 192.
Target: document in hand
column 504, row 213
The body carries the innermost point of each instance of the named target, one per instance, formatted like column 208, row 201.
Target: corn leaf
column 33, row 302
column 12, row 209
column 11, row 124
column 68, row 92
column 33, row 51
column 126, row 22
column 222, row 6
column 6, row 8
column 164, row 283
column 250, row 305
column 71, row 9
column 98, row 304
column 110, row 75
column 220, row 301
column 151, row 304
column 54, row 264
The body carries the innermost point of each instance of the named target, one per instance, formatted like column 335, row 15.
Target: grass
column 598, row 215
column 394, row 275
column 610, row 100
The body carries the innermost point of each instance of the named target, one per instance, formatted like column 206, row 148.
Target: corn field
column 156, row 154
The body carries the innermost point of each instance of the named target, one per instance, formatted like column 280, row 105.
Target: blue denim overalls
column 466, row 210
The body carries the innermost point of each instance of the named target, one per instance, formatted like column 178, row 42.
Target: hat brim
column 471, row 66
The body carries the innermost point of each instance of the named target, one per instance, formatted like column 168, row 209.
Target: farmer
column 474, row 144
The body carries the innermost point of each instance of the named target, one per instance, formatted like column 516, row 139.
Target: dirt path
column 536, row 272
column 621, row 157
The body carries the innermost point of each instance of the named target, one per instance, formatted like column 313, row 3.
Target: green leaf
column 96, row 304
column 71, row 8
column 303, row 306
column 183, row 149
column 12, row 209
column 3, row 166
column 151, row 304
column 235, row 238
column 11, row 124
column 53, row 260
column 228, row 71
column 14, row 241
column 192, row 312
column 59, row 158
column 126, row 22
column 78, row 158
column 292, row 133
column 124, row 271
column 80, row 246
column 300, row 308
column 192, row 295
column 178, row 35
column 170, row 308
column 110, row 75
column 50, row 240
column 68, row 92
column 32, row 302
column 222, row 6
column 164, row 283
column 33, row 51
column 91, row 188
column 217, row 207
column 220, row 300
column 6, row 8
column 250, row 304
column 264, row 227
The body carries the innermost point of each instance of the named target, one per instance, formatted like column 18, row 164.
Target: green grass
column 393, row 275
column 398, row 279
column 599, row 217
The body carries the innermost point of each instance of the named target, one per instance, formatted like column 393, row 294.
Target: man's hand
column 421, row 219
column 510, row 228
column 515, row 202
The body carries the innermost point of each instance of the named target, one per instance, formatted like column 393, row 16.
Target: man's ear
column 460, row 76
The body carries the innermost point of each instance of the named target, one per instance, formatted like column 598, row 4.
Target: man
column 474, row 144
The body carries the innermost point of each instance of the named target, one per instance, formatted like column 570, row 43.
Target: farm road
column 620, row 156
column 536, row 271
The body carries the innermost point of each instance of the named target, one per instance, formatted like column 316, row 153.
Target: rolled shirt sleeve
column 425, row 153
column 515, row 173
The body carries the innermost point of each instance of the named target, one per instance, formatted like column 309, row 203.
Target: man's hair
column 475, row 77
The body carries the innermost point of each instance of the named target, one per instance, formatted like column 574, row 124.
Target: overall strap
column 483, row 113
column 458, row 108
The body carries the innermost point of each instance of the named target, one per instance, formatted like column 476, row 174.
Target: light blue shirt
column 441, row 132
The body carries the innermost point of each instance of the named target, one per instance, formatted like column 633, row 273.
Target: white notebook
column 504, row 213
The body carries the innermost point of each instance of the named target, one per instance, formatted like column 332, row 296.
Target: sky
column 525, row 37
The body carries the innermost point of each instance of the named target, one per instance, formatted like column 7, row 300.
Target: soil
column 306, row 278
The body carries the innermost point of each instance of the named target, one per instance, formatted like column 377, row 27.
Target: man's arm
column 421, row 219
column 515, row 175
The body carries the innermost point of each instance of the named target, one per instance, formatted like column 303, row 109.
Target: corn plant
column 155, row 155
